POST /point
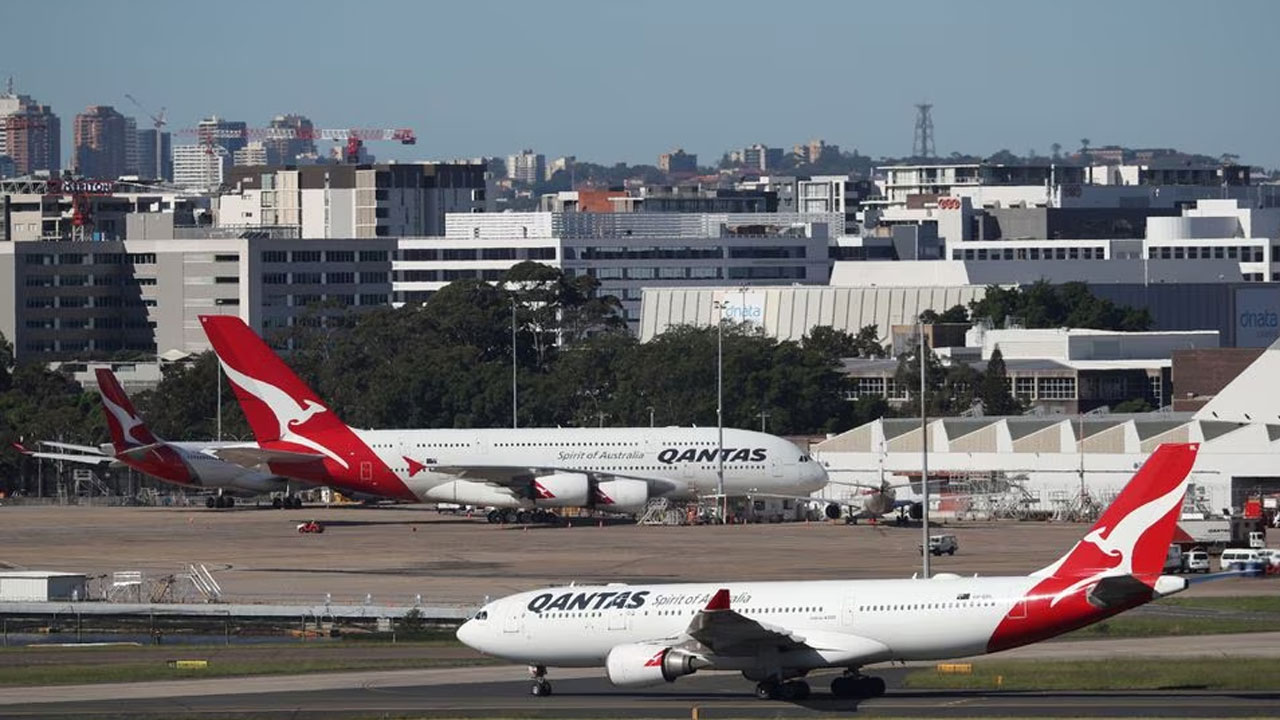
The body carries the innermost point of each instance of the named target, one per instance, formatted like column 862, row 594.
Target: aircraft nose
column 468, row 634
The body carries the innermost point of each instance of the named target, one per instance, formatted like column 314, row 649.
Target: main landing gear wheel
column 767, row 690
column 211, row 502
column 857, row 686
column 541, row 686
column 494, row 517
column 794, row 690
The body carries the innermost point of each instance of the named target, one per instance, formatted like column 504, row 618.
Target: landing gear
column 494, row 517
column 210, row 502
column 853, row 685
column 220, row 501
column 791, row 691
column 541, row 686
column 522, row 517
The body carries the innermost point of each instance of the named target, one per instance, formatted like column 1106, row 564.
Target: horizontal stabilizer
column 260, row 457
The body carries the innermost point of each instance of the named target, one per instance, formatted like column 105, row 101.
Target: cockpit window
column 482, row 615
column 804, row 458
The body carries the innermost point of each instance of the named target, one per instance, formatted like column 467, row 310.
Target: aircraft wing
column 506, row 475
column 88, row 449
column 83, row 458
column 723, row 631
column 255, row 457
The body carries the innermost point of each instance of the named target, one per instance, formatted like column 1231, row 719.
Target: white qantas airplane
column 777, row 632
column 192, row 465
column 616, row 469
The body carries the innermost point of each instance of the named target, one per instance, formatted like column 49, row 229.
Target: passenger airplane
column 615, row 469
column 188, row 464
column 777, row 632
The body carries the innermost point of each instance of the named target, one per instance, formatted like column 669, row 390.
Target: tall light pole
column 924, row 460
column 514, row 396
column 219, row 364
column 724, row 501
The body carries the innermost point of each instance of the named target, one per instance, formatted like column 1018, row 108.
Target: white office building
column 200, row 167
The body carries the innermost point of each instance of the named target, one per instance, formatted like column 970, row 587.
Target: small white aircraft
column 775, row 633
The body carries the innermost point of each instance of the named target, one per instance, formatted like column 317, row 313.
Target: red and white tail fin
column 1133, row 535
column 127, row 429
column 276, row 402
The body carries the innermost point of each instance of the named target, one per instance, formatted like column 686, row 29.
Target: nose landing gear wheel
column 541, row 688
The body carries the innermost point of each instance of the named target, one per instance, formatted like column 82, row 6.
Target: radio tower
column 922, row 146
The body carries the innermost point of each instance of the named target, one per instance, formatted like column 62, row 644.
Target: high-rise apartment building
column 131, row 166
column 678, row 161
column 147, row 149
column 761, row 157
column 296, row 138
column 230, row 135
column 199, row 166
column 526, row 166
column 30, row 135
column 100, row 143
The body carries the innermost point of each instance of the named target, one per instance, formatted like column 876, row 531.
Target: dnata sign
column 741, row 307
column 1257, row 318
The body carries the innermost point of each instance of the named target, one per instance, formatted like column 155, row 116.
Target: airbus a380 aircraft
column 617, row 469
column 188, row 464
column 777, row 632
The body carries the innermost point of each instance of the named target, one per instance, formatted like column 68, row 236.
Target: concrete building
column 678, row 161
column 230, row 135
column 254, row 153
column 76, row 300
column 297, row 140
column 46, row 209
column 356, row 201
column 30, row 135
column 147, row 149
column 625, row 251
column 814, row 151
column 101, row 143
column 561, row 164
column 200, row 167
column 759, row 157
column 693, row 199
column 527, row 167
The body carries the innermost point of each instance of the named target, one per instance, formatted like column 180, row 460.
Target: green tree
column 994, row 391
column 184, row 405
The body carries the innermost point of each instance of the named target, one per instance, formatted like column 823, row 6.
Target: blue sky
column 625, row 81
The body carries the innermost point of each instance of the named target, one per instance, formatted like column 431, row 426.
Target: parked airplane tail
column 1240, row 401
column 276, row 402
column 127, row 429
column 1134, row 532
column 1117, row 565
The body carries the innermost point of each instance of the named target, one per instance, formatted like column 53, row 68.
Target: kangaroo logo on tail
column 290, row 414
column 127, row 429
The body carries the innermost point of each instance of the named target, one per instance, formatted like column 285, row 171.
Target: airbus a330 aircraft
column 616, row 469
column 188, row 464
column 777, row 632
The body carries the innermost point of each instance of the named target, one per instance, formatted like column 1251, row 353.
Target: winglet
column 719, row 601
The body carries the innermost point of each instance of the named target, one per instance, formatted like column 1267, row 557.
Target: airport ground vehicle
column 1218, row 533
column 610, row 469
column 1195, row 561
column 939, row 544
column 775, row 633
column 1239, row 559
column 310, row 527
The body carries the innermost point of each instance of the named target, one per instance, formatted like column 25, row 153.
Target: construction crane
column 158, row 122
column 354, row 137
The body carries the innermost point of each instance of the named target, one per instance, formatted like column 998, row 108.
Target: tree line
column 448, row 363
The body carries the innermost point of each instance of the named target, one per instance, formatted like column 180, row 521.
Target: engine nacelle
column 466, row 492
column 916, row 511
column 620, row 496
column 638, row 665
column 560, row 490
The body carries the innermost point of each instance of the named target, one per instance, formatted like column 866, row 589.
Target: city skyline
column 611, row 82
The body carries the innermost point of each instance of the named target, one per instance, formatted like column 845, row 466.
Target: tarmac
column 502, row 691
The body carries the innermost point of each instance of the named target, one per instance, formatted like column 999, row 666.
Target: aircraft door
column 849, row 611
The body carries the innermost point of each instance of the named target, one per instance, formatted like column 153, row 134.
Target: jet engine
column 622, row 496
column 916, row 511
column 560, row 490
column 638, row 665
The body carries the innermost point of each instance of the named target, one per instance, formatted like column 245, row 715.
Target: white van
column 1195, row 561
column 1239, row 559
column 1270, row 558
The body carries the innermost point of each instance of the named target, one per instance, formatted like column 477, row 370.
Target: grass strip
column 1241, row 603
column 1132, row 626
column 74, row 674
column 1111, row 674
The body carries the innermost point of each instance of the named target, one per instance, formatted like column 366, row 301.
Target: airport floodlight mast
column 720, row 306
column 922, row 146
